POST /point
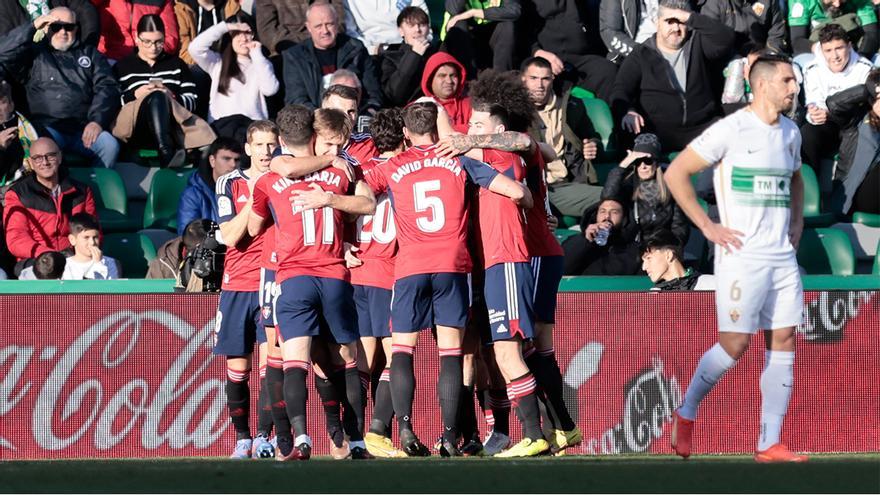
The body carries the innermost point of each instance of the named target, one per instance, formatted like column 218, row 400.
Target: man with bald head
column 309, row 65
column 71, row 91
column 39, row 206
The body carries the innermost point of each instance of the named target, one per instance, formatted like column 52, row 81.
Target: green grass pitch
column 575, row 474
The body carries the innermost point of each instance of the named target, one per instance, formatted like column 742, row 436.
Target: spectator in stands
column 443, row 80
column 623, row 24
column 689, row 46
column 171, row 259
column 18, row 12
column 661, row 260
column 281, row 24
column 565, row 126
column 372, row 22
column 87, row 262
column 39, row 206
column 757, row 22
column 857, row 174
column 857, row 17
column 640, row 178
column 309, row 65
column 48, row 266
column 563, row 40
column 737, row 92
column 71, row 91
column 482, row 34
column 241, row 76
column 198, row 199
column 119, row 21
column 156, row 83
column 403, row 64
column 194, row 17
column 586, row 254
column 16, row 136
column 836, row 67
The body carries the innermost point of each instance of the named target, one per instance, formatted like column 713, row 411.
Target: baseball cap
column 648, row 143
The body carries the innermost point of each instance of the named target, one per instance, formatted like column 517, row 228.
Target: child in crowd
column 87, row 261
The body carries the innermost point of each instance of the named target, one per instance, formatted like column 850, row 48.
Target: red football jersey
column 361, row 147
column 502, row 222
column 269, row 258
column 241, row 270
column 307, row 242
column 376, row 237
column 539, row 238
column 430, row 211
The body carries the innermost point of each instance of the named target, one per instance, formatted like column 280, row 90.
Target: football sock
column 356, row 396
column 238, row 398
column 264, row 419
column 449, row 391
column 383, row 409
column 467, row 416
column 331, row 400
column 521, row 392
column 296, row 394
column 500, row 406
column 712, row 366
column 776, row 382
column 547, row 374
column 275, row 386
column 403, row 384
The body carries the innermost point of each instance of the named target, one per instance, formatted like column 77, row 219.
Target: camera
column 206, row 260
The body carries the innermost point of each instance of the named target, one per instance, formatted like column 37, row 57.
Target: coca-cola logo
column 183, row 408
column 826, row 317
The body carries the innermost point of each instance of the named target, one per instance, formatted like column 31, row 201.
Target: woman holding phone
column 155, row 79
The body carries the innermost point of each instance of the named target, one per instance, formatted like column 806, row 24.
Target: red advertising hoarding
column 133, row 376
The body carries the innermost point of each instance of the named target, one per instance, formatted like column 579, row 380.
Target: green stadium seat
column 603, row 122
column 563, row 234
column 813, row 216
column 165, row 191
column 110, row 198
column 866, row 219
column 584, row 94
column 876, row 270
column 566, row 221
column 133, row 250
column 602, row 170
column 826, row 251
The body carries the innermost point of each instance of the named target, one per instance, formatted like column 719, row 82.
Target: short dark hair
column 332, row 121
column 387, row 129
column 766, row 64
column 196, row 232
column 49, row 266
column 224, row 143
column 261, row 126
column 661, row 239
column 82, row 222
column 684, row 5
column 296, row 123
column 504, row 96
column 5, row 90
column 412, row 15
column 540, row 62
column 344, row 92
column 150, row 23
column 421, row 118
column 831, row 32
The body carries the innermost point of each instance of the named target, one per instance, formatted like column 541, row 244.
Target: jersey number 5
column 424, row 202
column 309, row 228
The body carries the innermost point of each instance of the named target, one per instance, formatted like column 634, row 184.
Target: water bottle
column 602, row 236
column 734, row 84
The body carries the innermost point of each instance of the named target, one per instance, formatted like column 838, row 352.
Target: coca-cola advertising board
column 85, row 376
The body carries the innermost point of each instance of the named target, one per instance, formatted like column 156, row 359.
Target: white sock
column 776, row 382
column 712, row 366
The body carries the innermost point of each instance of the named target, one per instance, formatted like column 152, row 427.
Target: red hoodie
column 119, row 20
column 458, row 107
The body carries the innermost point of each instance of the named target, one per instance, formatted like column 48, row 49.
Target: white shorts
column 751, row 297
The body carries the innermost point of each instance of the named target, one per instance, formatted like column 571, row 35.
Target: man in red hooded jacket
column 443, row 80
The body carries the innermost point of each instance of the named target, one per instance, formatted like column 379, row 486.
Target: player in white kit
column 759, row 189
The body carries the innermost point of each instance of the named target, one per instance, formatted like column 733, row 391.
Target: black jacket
column 133, row 73
column 645, row 217
column 686, row 282
column 507, row 10
column 302, row 72
column 765, row 29
column 402, row 74
column 560, row 27
column 620, row 256
column 65, row 90
column 12, row 15
column 645, row 83
column 618, row 26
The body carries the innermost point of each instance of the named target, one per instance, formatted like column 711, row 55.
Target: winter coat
column 618, row 25
column 187, row 21
column 197, row 201
column 820, row 82
column 35, row 222
column 119, row 20
column 303, row 78
column 560, row 27
column 458, row 107
column 12, row 15
column 133, row 72
column 65, row 90
column 281, row 24
column 402, row 69
column 645, row 217
column 620, row 256
column 859, row 146
column 688, row 281
column 757, row 21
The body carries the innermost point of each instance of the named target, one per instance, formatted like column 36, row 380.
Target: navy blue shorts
column 302, row 302
column 374, row 311
column 547, row 273
column 268, row 297
column 508, row 290
column 238, row 324
column 424, row 300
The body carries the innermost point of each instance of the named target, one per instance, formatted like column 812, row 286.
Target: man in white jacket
column 835, row 68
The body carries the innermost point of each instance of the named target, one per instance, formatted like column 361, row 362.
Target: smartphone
column 12, row 122
column 156, row 81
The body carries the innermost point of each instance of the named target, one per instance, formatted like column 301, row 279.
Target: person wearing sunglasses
column 14, row 14
column 639, row 181
column 72, row 94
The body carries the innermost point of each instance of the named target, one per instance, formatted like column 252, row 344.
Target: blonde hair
column 664, row 196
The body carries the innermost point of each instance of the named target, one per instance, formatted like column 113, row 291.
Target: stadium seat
column 813, row 216
column 584, row 94
column 876, row 270
column 825, row 251
column 563, row 234
column 110, row 197
column 602, row 170
column 133, row 250
column 566, row 221
column 603, row 122
column 866, row 219
column 165, row 191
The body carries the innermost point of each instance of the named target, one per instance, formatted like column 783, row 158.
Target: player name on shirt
column 408, row 168
column 325, row 176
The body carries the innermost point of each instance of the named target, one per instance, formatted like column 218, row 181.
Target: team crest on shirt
column 266, row 311
column 758, row 8
column 224, row 206
column 734, row 315
column 84, row 62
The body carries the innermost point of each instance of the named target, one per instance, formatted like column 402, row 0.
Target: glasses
column 58, row 26
column 152, row 44
column 40, row 159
